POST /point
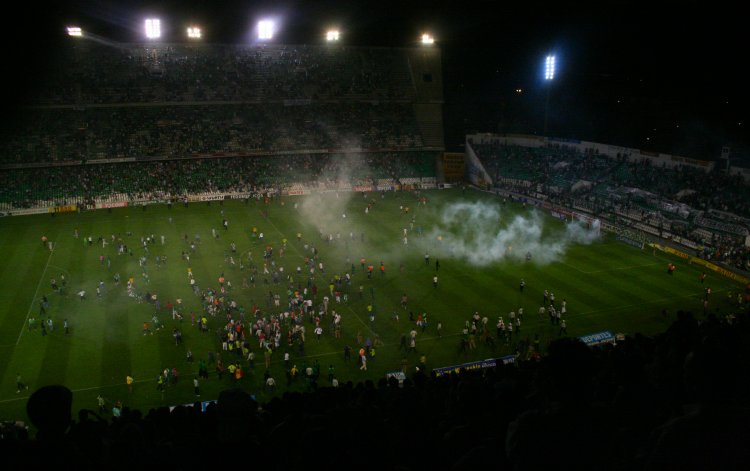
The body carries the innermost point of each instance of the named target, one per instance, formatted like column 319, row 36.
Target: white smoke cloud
column 481, row 234
column 328, row 211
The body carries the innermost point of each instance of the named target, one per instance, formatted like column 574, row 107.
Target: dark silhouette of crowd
column 678, row 400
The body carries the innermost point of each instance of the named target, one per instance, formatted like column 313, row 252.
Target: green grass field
column 608, row 286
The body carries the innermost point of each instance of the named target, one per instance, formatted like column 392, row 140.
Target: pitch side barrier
column 630, row 241
column 475, row 365
column 410, row 183
column 699, row 261
column 598, row 338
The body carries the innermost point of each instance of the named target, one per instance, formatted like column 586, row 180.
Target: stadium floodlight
column 75, row 31
column 332, row 35
column 153, row 28
column 265, row 29
column 549, row 68
column 427, row 39
column 194, row 32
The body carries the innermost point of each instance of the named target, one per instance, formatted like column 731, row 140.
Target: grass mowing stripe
column 574, row 289
column 24, row 274
column 117, row 337
column 608, row 270
column 36, row 292
column 628, row 306
column 54, row 366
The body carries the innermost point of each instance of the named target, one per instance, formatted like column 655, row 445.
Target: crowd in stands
column 678, row 400
column 631, row 234
column 65, row 134
column 723, row 226
column 173, row 101
column 87, row 72
column 653, row 196
column 552, row 165
column 560, row 166
column 290, row 111
column 164, row 179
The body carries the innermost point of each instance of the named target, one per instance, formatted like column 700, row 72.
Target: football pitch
column 607, row 285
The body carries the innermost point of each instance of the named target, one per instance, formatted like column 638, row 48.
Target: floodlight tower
column 549, row 75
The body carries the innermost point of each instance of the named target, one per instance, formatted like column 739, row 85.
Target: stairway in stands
column 430, row 119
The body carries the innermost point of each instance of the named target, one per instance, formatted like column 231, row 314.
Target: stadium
column 268, row 249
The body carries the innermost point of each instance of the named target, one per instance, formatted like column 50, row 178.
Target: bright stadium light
column 75, row 31
column 332, row 35
column 427, row 39
column 194, row 32
column 153, row 28
column 549, row 68
column 265, row 29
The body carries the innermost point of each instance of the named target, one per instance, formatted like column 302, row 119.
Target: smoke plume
column 328, row 211
column 480, row 233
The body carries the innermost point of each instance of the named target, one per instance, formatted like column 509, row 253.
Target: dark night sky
column 662, row 75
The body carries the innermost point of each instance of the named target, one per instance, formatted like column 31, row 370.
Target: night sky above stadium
column 666, row 78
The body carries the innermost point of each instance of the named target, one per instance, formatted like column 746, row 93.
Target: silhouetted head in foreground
column 49, row 409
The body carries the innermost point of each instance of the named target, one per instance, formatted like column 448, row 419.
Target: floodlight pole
column 549, row 75
column 546, row 108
